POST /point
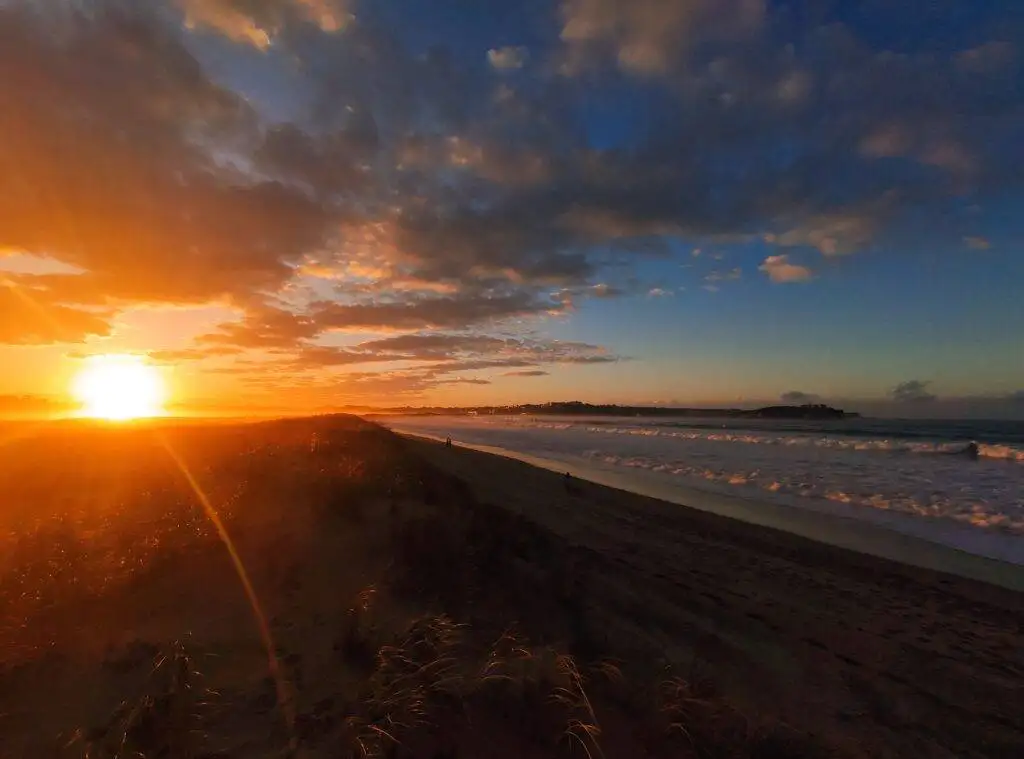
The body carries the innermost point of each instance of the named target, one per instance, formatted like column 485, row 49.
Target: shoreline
column 879, row 657
column 857, row 536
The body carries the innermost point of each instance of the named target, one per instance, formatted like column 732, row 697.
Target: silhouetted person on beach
column 971, row 451
column 447, row 442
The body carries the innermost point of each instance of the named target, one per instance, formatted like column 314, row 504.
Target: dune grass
column 410, row 621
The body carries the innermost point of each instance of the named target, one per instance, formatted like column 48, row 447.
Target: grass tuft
column 162, row 720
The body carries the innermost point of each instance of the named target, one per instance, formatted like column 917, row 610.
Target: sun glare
column 119, row 388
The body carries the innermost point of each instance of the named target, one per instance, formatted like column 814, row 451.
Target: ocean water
column 908, row 476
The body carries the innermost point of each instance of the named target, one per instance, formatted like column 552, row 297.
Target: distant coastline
column 815, row 411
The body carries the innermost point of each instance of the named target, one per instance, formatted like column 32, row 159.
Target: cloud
column 779, row 270
column 912, row 391
column 119, row 134
column 28, row 317
column 425, row 313
column 724, row 276
column 987, row 58
column 603, row 290
column 527, row 373
column 886, row 141
column 258, row 22
column 33, row 406
column 193, row 354
column 831, row 233
column 797, row 397
column 426, row 360
column 651, row 36
column 496, row 350
column 264, row 328
column 977, row 243
column 345, row 180
column 657, row 292
column 508, row 58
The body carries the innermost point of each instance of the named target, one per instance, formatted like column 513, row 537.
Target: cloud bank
column 347, row 182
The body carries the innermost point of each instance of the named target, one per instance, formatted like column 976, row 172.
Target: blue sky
column 322, row 202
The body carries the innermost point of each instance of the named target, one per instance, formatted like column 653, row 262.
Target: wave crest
column 833, row 442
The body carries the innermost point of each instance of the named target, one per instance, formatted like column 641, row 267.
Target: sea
column 916, row 477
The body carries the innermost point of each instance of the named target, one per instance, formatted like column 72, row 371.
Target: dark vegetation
column 408, row 619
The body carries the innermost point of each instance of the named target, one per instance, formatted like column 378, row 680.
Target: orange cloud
column 779, row 269
column 29, row 317
column 257, row 22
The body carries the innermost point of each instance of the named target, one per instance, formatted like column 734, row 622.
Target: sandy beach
column 887, row 659
column 423, row 601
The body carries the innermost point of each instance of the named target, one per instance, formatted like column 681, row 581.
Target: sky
column 307, row 204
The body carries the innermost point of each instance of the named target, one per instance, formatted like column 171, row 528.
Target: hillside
column 403, row 616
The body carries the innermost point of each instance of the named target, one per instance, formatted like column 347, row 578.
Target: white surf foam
column 977, row 506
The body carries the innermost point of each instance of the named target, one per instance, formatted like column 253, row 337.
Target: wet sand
column 921, row 547
column 881, row 658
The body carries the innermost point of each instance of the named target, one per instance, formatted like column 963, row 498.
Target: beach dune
column 420, row 601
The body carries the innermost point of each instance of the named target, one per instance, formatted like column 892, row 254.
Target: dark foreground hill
column 435, row 603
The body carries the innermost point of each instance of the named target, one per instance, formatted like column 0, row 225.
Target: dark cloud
column 425, row 313
column 527, row 373
column 264, row 328
column 425, row 346
column 912, row 391
column 355, row 386
column 467, row 381
column 111, row 133
column 652, row 36
column 323, row 356
column 422, row 360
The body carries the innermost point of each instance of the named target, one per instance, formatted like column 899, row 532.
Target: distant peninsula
column 815, row 411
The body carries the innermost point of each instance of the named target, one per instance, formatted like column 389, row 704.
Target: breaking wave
column 1003, row 452
column 807, row 482
column 895, row 473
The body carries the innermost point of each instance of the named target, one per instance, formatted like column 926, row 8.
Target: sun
column 118, row 388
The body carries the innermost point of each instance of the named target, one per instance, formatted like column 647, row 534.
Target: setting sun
column 119, row 388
